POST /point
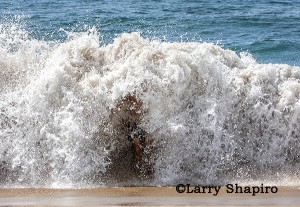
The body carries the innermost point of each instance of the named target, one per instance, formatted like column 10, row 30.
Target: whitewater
column 215, row 115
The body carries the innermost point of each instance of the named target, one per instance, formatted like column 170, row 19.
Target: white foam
column 214, row 115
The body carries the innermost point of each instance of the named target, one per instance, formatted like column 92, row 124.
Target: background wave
column 268, row 29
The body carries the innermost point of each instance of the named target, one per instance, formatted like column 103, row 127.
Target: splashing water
column 215, row 116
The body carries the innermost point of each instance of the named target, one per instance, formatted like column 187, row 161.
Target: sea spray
column 214, row 116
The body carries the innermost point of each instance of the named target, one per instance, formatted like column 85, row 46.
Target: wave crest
column 215, row 116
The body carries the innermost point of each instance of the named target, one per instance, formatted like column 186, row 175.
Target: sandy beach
column 143, row 196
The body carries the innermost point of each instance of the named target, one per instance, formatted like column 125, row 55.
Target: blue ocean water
column 268, row 29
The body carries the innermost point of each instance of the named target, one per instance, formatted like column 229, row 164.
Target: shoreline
column 143, row 196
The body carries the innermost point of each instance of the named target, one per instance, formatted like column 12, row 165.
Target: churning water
column 215, row 115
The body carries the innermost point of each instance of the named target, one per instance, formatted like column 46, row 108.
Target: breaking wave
column 214, row 115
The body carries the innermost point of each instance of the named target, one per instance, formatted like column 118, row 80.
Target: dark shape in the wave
column 130, row 110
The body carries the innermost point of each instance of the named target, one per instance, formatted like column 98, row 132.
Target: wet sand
column 143, row 196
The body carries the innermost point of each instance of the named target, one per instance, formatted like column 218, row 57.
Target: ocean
column 269, row 30
column 216, row 84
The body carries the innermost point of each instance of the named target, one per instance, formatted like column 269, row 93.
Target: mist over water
column 215, row 115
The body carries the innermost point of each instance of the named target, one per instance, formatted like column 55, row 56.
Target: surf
column 214, row 115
